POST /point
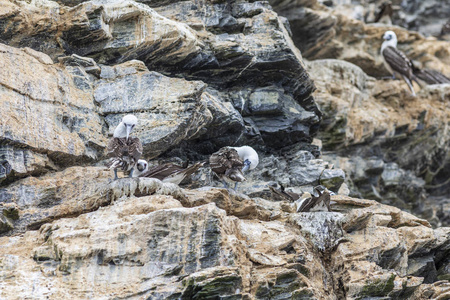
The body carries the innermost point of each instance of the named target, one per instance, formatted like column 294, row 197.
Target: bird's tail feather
column 118, row 163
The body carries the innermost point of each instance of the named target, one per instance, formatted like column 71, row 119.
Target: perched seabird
column 249, row 156
column 166, row 172
column 396, row 61
column 5, row 169
column 227, row 165
column 310, row 202
column 281, row 194
column 124, row 150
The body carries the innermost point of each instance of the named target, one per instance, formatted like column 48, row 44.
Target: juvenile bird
column 123, row 149
column 166, row 172
column 227, row 165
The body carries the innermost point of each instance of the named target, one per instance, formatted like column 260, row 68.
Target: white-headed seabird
column 308, row 202
column 396, row 61
column 123, row 149
column 227, row 165
column 166, row 172
column 249, row 156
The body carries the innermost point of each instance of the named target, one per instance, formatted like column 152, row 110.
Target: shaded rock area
column 299, row 81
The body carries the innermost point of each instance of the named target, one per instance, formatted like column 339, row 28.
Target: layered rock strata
column 159, row 241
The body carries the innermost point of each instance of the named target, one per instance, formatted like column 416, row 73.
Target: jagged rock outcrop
column 402, row 139
column 47, row 120
column 159, row 241
column 232, row 47
column 321, row 32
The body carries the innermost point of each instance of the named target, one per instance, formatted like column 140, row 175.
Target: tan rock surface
column 161, row 241
column 346, row 93
column 43, row 108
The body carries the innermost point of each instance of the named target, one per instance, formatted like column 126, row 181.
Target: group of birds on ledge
column 229, row 164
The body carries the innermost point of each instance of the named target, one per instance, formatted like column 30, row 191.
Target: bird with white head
column 396, row 61
column 167, row 172
column 123, row 149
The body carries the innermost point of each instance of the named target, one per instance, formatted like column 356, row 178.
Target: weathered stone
column 221, row 73
column 332, row 178
column 392, row 175
column 175, row 110
column 46, row 118
column 25, row 161
column 5, row 224
column 54, row 196
column 323, row 229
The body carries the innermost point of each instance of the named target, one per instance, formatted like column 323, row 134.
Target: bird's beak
column 246, row 165
column 129, row 128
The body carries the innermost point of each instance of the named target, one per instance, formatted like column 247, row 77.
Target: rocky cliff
column 300, row 81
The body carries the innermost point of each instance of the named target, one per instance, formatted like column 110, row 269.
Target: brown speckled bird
column 124, row 150
column 227, row 165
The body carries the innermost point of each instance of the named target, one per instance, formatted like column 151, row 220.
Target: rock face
column 233, row 48
column 200, row 75
column 158, row 241
column 47, row 119
column 409, row 133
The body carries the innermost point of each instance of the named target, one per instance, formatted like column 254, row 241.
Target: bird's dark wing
column 276, row 194
column 192, row 169
column 135, row 148
column 116, row 147
column 430, row 76
column 283, row 194
column 293, row 196
column 398, row 61
column 179, row 175
column 162, row 171
column 224, row 159
column 308, row 204
column 233, row 157
column 385, row 10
